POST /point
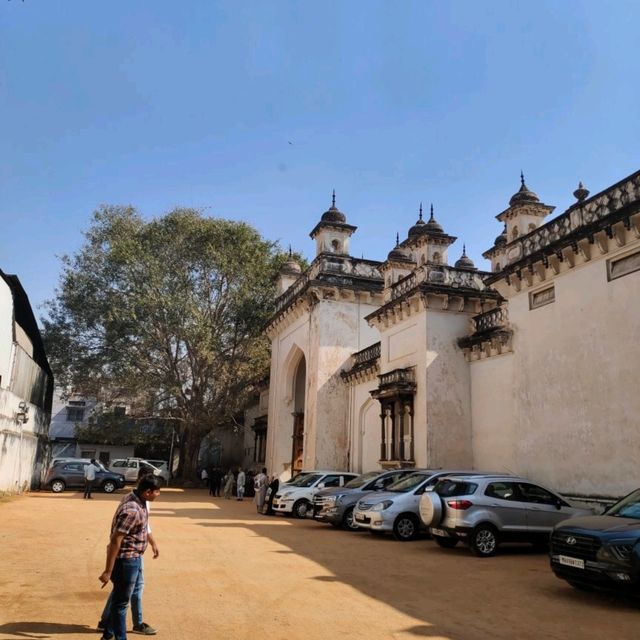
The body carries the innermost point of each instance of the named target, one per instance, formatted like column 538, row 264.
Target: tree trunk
column 191, row 441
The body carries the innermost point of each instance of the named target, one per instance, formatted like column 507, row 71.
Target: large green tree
column 168, row 312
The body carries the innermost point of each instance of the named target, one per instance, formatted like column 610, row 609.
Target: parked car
column 130, row 467
column 336, row 505
column 485, row 510
column 297, row 496
column 70, row 474
column 397, row 509
column 162, row 466
column 600, row 551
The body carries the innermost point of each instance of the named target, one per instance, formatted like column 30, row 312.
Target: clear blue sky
column 161, row 103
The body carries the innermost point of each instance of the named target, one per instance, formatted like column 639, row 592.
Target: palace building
column 529, row 368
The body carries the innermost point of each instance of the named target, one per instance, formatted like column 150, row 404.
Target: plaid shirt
column 132, row 519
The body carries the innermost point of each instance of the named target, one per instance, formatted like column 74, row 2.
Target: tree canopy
column 167, row 313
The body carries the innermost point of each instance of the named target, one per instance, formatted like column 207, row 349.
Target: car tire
column 431, row 509
column 446, row 543
column 301, row 508
column 348, row 523
column 58, row 486
column 109, row 486
column 484, row 540
column 406, row 527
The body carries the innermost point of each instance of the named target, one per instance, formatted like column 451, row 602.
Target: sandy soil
column 225, row 572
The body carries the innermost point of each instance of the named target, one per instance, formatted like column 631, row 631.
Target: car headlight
column 338, row 499
column 381, row 506
column 286, row 494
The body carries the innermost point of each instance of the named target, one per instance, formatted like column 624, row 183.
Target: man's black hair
column 148, row 482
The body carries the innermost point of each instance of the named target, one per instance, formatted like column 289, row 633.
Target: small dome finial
column 464, row 250
column 521, row 178
column 420, row 216
column 333, row 199
column 581, row 193
column 431, row 218
column 397, row 239
column 290, row 252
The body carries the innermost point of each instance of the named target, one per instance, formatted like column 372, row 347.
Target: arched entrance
column 299, row 387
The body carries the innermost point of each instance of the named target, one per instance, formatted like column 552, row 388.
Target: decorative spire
column 397, row 239
column 464, row 250
column 431, row 218
column 333, row 199
column 581, row 193
column 420, row 216
column 522, row 178
column 290, row 252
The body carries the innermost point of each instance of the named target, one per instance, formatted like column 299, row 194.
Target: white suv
column 129, row 468
column 297, row 496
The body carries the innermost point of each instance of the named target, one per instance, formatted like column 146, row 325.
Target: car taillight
column 460, row 504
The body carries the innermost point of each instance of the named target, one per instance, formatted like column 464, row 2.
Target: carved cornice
column 366, row 365
column 491, row 335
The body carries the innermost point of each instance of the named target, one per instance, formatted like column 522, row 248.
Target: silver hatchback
column 484, row 510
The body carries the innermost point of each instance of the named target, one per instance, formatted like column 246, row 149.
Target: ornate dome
column 291, row 264
column 333, row 214
column 396, row 254
column 464, row 262
column 524, row 194
column 502, row 238
column 421, row 227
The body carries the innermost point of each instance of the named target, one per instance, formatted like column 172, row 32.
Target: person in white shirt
column 241, row 480
column 89, row 477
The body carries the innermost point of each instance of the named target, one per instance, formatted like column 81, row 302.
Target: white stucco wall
column 448, row 392
column 494, row 437
column 575, row 372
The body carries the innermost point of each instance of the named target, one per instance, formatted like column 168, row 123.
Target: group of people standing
column 240, row 484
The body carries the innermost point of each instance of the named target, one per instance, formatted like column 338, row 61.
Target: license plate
column 571, row 562
column 439, row 532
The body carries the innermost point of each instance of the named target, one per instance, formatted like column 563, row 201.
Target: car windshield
column 447, row 488
column 305, row 480
column 360, row 480
column 408, row 483
column 628, row 507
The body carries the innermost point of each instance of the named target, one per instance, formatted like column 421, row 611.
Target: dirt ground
column 225, row 572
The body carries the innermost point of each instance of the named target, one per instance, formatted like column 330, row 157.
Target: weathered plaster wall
column 19, row 444
column 364, row 421
column 576, row 368
column 286, row 350
column 448, row 392
column 493, row 417
column 337, row 331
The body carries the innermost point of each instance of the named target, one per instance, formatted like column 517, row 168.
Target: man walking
column 241, row 480
column 89, row 477
column 128, row 542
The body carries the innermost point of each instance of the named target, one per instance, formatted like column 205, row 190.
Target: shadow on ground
column 41, row 629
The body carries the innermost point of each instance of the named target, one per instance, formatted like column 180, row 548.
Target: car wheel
column 431, row 509
column 301, row 508
column 446, row 543
column 406, row 528
column 58, row 486
column 484, row 540
column 108, row 486
column 348, row 522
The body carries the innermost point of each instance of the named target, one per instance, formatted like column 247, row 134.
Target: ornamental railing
column 578, row 215
column 397, row 376
column 497, row 318
column 370, row 354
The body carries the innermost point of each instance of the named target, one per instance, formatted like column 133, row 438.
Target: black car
column 71, row 474
column 600, row 551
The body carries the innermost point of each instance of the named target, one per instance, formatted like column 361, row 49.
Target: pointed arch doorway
column 297, row 438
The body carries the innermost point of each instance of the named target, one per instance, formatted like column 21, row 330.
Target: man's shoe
column 144, row 629
column 100, row 626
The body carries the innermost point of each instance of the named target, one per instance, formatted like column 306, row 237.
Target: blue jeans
column 124, row 577
column 136, row 601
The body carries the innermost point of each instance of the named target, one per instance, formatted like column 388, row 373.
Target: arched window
column 335, row 245
column 423, row 259
column 437, row 258
column 515, row 233
column 532, row 226
column 496, row 267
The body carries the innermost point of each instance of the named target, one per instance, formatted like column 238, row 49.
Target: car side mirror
column 321, row 485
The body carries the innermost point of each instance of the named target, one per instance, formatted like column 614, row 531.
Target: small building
column 26, row 391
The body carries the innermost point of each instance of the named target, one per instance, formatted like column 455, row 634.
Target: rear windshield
column 360, row 480
column 448, row 488
column 408, row 483
column 628, row 507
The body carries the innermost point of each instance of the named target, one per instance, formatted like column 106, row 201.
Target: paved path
column 225, row 572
